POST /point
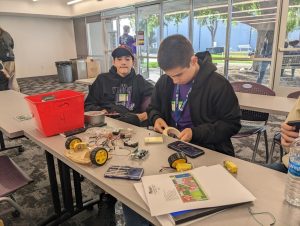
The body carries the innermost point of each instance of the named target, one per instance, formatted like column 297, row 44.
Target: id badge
column 173, row 105
column 123, row 97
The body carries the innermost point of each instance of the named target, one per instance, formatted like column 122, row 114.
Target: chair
column 253, row 116
column 11, row 179
column 277, row 136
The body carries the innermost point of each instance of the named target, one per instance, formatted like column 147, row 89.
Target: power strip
column 154, row 140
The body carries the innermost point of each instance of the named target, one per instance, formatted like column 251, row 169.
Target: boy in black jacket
column 195, row 99
column 120, row 90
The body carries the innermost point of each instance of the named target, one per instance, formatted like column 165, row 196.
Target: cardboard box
column 92, row 67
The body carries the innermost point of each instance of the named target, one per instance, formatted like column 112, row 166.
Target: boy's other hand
column 160, row 125
column 288, row 134
column 186, row 135
column 142, row 116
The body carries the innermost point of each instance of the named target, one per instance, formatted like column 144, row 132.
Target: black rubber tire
column 69, row 141
column 93, row 158
column 176, row 156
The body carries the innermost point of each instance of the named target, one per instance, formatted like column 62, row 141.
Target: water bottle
column 292, row 190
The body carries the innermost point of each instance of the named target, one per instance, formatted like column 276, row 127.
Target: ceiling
column 59, row 8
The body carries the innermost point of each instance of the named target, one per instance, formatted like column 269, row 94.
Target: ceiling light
column 73, row 2
column 34, row 0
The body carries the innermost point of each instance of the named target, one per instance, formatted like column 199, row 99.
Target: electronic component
column 116, row 132
column 139, row 154
column 130, row 143
column 186, row 148
column 154, row 140
column 230, row 166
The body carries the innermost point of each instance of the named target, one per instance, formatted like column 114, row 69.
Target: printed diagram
column 188, row 188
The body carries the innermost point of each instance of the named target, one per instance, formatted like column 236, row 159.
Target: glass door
column 148, row 23
column 127, row 34
column 287, row 74
column 111, row 39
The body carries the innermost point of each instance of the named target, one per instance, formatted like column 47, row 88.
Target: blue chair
column 253, row 117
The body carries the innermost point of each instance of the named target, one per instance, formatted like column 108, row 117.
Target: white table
column 86, row 81
column 13, row 104
column 266, row 184
column 262, row 103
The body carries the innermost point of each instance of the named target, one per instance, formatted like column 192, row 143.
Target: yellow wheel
column 99, row 156
column 176, row 158
column 71, row 141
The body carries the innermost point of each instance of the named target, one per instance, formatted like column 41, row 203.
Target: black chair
column 277, row 136
column 253, row 116
column 12, row 178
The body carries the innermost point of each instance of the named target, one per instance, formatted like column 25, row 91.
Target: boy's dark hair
column 175, row 51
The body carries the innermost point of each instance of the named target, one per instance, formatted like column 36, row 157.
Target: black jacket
column 6, row 47
column 102, row 92
column 214, row 107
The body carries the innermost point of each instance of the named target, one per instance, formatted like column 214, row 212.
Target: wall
column 39, row 42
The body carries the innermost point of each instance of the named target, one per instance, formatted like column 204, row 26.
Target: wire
column 164, row 168
column 256, row 213
column 129, row 152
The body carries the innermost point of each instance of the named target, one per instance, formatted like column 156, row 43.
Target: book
column 184, row 216
column 202, row 187
column 187, row 216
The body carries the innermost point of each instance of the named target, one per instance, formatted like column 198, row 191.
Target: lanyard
column 179, row 109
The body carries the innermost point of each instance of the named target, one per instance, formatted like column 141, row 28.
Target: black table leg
column 77, row 188
column 66, row 188
column 2, row 144
column 53, row 183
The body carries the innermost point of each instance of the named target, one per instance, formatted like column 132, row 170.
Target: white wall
column 39, row 42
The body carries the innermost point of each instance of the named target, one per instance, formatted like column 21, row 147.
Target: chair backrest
column 254, row 88
column 11, row 176
column 294, row 95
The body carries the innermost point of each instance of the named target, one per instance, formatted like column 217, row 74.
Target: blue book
column 184, row 216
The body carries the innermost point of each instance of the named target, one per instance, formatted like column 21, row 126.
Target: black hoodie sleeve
column 93, row 100
column 228, row 123
column 154, row 108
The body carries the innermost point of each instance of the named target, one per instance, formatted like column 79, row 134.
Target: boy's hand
column 142, row 116
column 288, row 134
column 186, row 135
column 160, row 125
